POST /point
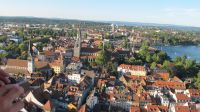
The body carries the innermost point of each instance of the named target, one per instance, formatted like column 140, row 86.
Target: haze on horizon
column 178, row 12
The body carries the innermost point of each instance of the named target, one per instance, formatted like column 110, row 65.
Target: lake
column 192, row 52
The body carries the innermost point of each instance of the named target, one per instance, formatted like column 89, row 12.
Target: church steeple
column 30, row 59
column 29, row 51
column 77, row 46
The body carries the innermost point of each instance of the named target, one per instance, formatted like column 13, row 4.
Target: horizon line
column 107, row 21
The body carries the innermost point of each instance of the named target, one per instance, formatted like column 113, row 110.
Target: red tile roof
column 24, row 63
column 164, row 75
column 194, row 92
column 135, row 109
column 134, row 77
column 169, row 84
column 132, row 67
column 49, row 53
column 157, row 108
column 181, row 96
column 152, row 108
column 17, row 62
column 182, row 108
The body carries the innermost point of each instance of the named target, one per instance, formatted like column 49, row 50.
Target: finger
column 5, row 79
column 14, row 93
column 16, row 107
column 4, row 76
column 5, row 88
column 2, row 83
column 2, row 73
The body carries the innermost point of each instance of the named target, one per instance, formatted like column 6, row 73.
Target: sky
column 178, row 12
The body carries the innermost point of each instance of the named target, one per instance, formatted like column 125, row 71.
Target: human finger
column 2, row 83
column 14, row 93
column 4, row 76
column 17, row 106
column 5, row 88
column 2, row 73
column 5, row 79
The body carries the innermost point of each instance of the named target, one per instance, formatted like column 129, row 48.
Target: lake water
column 192, row 52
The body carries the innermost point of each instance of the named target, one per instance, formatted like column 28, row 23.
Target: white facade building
column 133, row 69
column 74, row 78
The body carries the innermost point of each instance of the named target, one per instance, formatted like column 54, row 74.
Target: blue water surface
column 192, row 52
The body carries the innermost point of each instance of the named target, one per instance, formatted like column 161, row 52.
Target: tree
column 131, row 60
column 198, row 75
column 189, row 64
column 125, row 44
column 3, row 55
column 156, row 58
column 197, row 81
column 23, row 47
column 166, row 64
column 162, row 56
column 2, row 38
column 101, row 58
column 153, row 65
column 148, row 58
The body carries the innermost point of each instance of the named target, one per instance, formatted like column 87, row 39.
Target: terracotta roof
column 194, row 92
column 24, row 63
column 169, row 84
column 163, row 108
column 49, row 53
column 132, row 67
column 135, row 109
column 182, row 108
column 142, row 97
column 181, row 96
column 157, row 108
column 17, row 62
column 152, row 108
column 164, row 75
column 41, row 64
column 134, row 77
column 48, row 106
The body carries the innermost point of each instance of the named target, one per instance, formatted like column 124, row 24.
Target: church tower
column 30, row 60
column 77, row 46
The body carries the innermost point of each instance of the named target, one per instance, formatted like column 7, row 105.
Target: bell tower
column 77, row 46
column 31, row 67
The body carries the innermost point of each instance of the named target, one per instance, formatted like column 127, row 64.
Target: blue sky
column 180, row 12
